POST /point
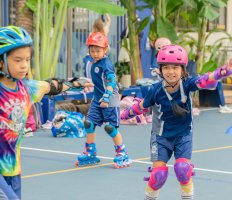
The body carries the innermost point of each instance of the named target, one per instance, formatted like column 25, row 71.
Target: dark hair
column 1, row 59
column 98, row 26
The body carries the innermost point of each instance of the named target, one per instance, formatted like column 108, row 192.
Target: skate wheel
column 149, row 169
column 76, row 163
column 146, row 178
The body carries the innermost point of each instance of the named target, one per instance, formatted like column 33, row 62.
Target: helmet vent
column 2, row 43
column 24, row 34
column 11, row 36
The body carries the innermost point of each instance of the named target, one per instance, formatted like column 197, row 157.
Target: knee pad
column 158, row 177
column 183, row 170
column 111, row 130
column 89, row 127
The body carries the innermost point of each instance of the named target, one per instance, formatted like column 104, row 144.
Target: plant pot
column 126, row 80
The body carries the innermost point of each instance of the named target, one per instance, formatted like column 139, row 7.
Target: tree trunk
column 24, row 17
column 200, row 45
column 135, row 62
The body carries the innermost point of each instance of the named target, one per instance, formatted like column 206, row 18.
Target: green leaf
column 32, row 4
column 166, row 29
column 173, row 6
column 209, row 13
column 143, row 24
column 152, row 31
column 98, row 6
column 208, row 67
column 216, row 3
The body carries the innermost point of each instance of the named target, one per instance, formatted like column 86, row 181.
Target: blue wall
column 146, row 51
column 5, row 13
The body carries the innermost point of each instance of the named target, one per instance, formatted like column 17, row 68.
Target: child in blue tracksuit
column 105, row 106
column 88, row 61
column 171, row 102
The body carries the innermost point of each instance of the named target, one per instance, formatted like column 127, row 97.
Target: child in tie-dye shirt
column 16, row 97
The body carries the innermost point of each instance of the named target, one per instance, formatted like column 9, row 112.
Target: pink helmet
column 160, row 42
column 97, row 39
column 172, row 54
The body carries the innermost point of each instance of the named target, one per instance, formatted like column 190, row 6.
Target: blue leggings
column 10, row 187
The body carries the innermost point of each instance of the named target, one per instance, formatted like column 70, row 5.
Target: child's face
column 172, row 73
column 97, row 53
column 19, row 62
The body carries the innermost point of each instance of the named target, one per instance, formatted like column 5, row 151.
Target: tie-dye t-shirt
column 14, row 109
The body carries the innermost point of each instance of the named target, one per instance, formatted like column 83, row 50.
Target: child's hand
column 104, row 105
column 86, row 83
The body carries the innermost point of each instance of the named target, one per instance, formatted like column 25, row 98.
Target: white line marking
column 109, row 158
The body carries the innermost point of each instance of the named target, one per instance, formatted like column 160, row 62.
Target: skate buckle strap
column 119, row 148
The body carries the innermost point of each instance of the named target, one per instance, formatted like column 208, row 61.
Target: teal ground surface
column 48, row 170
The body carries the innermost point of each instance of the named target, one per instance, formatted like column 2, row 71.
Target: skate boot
column 89, row 157
column 122, row 159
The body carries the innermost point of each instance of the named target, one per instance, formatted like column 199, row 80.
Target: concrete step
column 228, row 96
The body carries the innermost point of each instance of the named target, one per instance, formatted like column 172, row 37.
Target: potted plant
column 123, row 73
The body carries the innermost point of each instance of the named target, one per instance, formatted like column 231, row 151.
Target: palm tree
column 24, row 16
column 134, row 52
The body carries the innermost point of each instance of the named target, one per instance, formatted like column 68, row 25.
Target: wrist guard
column 106, row 96
column 203, row 82
column 218, row 75
column 133, row 111
column 81, row 82
column 54, row 90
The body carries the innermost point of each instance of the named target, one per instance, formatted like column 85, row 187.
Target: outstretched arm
column 107, row 24
column 210, row 79
column 56, row 86
column 134, row 110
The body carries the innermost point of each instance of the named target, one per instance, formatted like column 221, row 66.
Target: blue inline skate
column 89, row 157
column 122, row 159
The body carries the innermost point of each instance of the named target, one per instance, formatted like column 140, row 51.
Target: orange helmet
column 97, row 39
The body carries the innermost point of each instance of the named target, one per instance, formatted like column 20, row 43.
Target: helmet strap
column 170, row 85
column 7, row 73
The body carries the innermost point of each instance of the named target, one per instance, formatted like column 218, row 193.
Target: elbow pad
column 134, row 109
column 111, row 80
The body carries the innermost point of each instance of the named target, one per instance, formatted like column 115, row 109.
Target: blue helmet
column 68, row 124
column 12, row 37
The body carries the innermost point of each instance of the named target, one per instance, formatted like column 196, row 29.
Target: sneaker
column 225, row 109
column 27, row 132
